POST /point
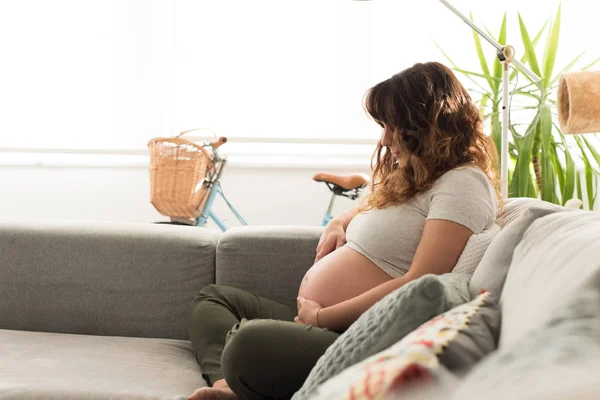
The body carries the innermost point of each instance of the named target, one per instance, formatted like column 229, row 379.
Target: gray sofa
column 97, row 310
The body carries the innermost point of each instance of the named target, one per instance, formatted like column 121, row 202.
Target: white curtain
column 111, row 74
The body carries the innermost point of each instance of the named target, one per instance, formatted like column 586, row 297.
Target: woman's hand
column 332, row 238
column 308, row 312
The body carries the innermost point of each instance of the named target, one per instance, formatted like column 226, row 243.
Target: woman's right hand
column 332, row 238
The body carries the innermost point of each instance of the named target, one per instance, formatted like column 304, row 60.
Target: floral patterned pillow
column 456, row 340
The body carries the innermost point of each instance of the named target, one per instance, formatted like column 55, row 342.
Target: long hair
column 436, row 126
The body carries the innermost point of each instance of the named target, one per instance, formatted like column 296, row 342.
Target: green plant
column 542, row 158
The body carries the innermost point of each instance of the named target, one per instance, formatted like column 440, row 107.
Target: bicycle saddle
column 346, row 182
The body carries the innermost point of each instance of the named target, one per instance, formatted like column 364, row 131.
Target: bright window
column 112, row 74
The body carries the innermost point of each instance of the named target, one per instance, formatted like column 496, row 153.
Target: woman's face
column 387, row 140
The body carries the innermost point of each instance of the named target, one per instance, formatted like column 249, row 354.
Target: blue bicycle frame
column 214, row 189
column 208, row 213
column 328, row 216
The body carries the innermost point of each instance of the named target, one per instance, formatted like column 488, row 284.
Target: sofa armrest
column 269, row 261
column 102, row 278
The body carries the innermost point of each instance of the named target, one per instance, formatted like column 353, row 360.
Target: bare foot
column 218, row 391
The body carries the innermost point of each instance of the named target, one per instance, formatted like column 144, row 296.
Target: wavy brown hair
column 437, row 127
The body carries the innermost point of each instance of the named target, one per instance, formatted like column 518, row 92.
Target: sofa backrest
column 102, row 278
column 556, row 258
column 269, row 261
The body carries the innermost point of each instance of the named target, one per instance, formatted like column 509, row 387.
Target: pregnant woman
column 432, row 187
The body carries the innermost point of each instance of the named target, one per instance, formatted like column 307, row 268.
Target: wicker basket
column 178, row 170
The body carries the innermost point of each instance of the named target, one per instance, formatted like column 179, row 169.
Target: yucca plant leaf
column 584, row 147
column 578, row 184
column 482, row 60
column 532, row 189
column 558, row 169
column 456, row 66
column 522, row 175
column 548, row 174
column 566, row 68
column 496, row 128
column 517, row 144
column 497, row 65
column 445, row 55
column 537, row 38
column 535, row 42
column 528, row 94
column 477, row 74
column 569, row 184
column 590, row 65
column 592, row 150
column 589, row 185
column 529, row 50
column 530, row 84
column 551, row 49
column 589, row 173
column 483, row 105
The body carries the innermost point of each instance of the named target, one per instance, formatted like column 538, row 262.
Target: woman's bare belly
column 339, row 276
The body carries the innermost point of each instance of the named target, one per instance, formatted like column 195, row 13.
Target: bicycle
column 349, row 186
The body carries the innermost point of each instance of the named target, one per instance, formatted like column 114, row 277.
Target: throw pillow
column 456, row 340
column 558, row 360
column 557, row 256
column 474, row 250
column 515, row 218
column 471, row 332
column 386, row 322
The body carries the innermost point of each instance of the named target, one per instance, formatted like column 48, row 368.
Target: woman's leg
column 266, row 359
column 214, row 312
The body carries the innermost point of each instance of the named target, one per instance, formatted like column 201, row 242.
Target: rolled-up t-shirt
column 389, row 237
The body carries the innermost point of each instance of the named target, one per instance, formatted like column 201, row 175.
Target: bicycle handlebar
column 219, row 142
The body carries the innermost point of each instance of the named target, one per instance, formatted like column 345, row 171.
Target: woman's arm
column 334, row 235
column 438, row 251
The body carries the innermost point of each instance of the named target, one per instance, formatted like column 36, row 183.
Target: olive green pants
column 253, row 343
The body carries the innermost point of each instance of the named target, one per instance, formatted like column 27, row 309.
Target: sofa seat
column 39, row 365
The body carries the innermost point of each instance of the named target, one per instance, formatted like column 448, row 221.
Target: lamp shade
column 579, row 102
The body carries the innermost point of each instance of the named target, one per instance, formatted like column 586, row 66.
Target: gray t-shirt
column 389, row 237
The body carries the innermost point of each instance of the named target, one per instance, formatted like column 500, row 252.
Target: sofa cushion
column 515, row 217
column 269, row 261
column 558, row 360
column 386, row 322
column 36, row 365
column 554, row 260
column 103, row 278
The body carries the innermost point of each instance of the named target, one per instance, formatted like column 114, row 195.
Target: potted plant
column 542, row 158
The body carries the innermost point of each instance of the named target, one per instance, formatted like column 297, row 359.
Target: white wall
column 263, row 196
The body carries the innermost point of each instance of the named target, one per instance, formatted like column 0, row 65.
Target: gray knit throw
column 386, row 322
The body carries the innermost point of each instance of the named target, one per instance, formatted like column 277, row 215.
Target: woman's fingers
column 319, row 246
column 327, row 247
column 197, row 395
column 330, row 241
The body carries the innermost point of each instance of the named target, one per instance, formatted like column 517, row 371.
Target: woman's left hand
column 308, row 312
